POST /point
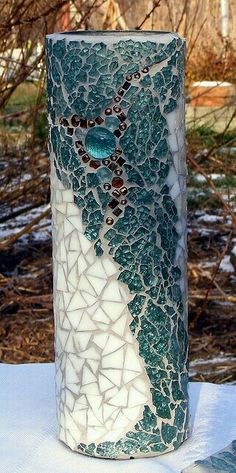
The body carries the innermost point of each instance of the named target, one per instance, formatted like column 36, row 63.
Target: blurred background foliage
column 26, row 322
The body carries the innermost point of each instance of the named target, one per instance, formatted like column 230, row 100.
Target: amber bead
column 95, row 164
column 117, row 182
column 86, row 158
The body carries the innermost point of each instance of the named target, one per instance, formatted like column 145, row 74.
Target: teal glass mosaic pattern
column 220, row 462
column 116, row 142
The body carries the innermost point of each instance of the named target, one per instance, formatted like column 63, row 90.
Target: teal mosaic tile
column 223, row 461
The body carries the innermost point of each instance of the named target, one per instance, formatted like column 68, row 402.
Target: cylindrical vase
column 116, row 120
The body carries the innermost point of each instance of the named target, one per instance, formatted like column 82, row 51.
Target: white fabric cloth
column 28, row 428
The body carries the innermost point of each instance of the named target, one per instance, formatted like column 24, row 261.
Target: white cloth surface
column 28, row 428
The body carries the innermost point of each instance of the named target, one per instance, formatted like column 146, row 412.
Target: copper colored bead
column 94, row 164
column 122, row 116
column 63, row 121
column 91, row 123
column 86, row 158
column 112, row 166
column 83, row 123
column 99, row 120
column 129, row 77
column 117, row 99
column 116, row 193
column 118, row 150
column 124, row 190
column 75, row 121
column 70, row 131
column 109, row 220
column 108, row 111
column 113, row 203
column 117, row 182
column 120, row 161
column 117, row 211
column 122, row 126
column 117, row 133
column 107, row 186
column 126, row 85
column 116, row 109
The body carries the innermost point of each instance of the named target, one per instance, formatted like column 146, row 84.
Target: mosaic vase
column 116, row 120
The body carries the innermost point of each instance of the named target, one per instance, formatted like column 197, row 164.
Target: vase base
column 134, row 456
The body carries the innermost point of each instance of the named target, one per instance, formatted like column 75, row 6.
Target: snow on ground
column 233, row 251
column 211, row 361
column 226, row 265
column 205, row 366
column 210, row 218
column 206, row 264
column 42, row 230
column 214, row 177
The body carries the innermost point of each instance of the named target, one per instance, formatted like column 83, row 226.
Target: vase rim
column 110, row 33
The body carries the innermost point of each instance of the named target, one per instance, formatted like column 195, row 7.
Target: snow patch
column 226, row 265
column 214, row 177
column 210, row 218
column 233, row 251
column 42, row 229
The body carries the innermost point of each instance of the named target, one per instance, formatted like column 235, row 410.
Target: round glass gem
column 100, row 142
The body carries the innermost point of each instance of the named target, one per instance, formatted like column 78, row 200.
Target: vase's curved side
column 116, row 115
